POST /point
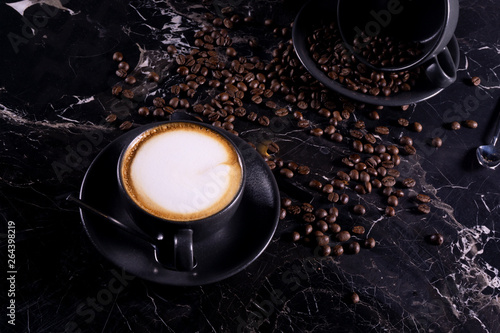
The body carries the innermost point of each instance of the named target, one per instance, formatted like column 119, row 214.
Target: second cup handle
column 441, row 69
column 183, row 250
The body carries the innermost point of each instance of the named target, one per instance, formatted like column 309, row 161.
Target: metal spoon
column 489, row 155
column 114, row 221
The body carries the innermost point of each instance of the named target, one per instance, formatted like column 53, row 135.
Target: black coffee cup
column 156, row 173
column 430, row 24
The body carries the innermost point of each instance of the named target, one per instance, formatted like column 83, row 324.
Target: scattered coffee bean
column 436, row 239
column 128, row 93
column 295, row 236
column 343, row 236
column 117, row 56
column 392, row 200
column 359, row 209
column 417, row 127
column 303, row 170
column 354, row 298
column 126, row 125
column 455, row 125
column 358, row 229
column 337, row 250
column 315, row 184
column 369, row 243
column 354, row 248
column 326, row 250
column 111, row 118
column 403, row 122
column 423, row 198
column 424, row 209
column 308, row 217
column 470, row 123
column 293, row 209
column 390, row 211
column 475, row 80
column 437, row 142
column 286, row 172
column 409, row 182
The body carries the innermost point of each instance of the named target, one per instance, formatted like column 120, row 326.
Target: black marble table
column 56, row 77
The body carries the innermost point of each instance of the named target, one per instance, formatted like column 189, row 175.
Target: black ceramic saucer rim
column 302, row 24
column 259, row 220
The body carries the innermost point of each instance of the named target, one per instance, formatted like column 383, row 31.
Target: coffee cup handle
column 183, row 250
column 441, row 69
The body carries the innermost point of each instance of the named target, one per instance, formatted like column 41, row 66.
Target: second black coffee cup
column 397, row 35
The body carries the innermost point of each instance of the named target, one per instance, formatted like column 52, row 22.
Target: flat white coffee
column 181, row 172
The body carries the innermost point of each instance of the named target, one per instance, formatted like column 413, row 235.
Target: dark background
column 55, row 88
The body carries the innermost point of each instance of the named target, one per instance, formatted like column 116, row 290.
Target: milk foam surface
column 184, row 174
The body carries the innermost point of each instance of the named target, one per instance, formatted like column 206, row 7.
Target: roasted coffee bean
column 392, row 200
column 143, row 111
column 436, row 239
column 374, row 115
column 336, row 137
column 343, row 176
column 327, row 189
column 326, row 250
column 387, row 191
column 322, row 226
column 360, row 189
column 252, row 116
column 357, row 145
column 417, row 127
column 424, row 209
column 470, row 123
column 293, row 209
column 475, row 80
column 121, row 73
column 315, row 184
column 344, row 199
column 388, row 181
column 354, row 174
column 370, row 138
column 130, row 80
column 380, row 149
column 126, row 125
column 356, row 134
column 406, row 140
column 334, row 228
column 455, row 125
column 354, row 248
column 437, row 142
column 354, row 298
column 320, row 213
column 295, row 236
column 128, row 94
column 359, row 210
column 376, row 183
column 111, row 118
column 308, row 229
column 403, row 122
column 292, row 166
column 369, row 243
column 308, row 217
column 286, row 172
column 338, row 184
column 303, row 170
column 286, row 202
column 390, row 211
column 124, row 65
column 158, row 112
column 337, row 250
column 333, row 197
column 117, row 56
column 316, row 131
column 303, row 123
column 116, row 90
column 171, row 49
column 358, row 229
column 423, row 198
column 281, row 112
column 343, row 236
column 307, row 207
column 382, row 130
column 153, row 77
column 409, row 182
column 409, row 150
column 393, row 173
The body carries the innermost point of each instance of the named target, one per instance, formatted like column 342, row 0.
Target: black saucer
column 253, row 228
column 315, row 10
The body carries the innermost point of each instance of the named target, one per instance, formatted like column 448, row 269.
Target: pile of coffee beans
column 332, row 57
column 383, row 51
column 230, row 86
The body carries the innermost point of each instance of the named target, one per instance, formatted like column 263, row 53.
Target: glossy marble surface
column 55, row 93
